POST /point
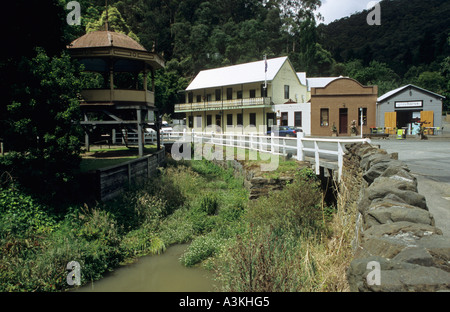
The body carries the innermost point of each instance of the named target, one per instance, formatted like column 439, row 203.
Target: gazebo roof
column 103, row 38
column 94, row 48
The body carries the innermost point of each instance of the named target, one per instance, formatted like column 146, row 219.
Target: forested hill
column 412, row 33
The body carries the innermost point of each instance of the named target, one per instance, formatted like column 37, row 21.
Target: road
column 429, row 161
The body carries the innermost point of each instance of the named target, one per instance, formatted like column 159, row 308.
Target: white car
column 165, row 128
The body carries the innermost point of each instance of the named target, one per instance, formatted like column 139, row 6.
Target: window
column 198, row 121
column 229, row 119
column 284, row 119
column 239, row 120
column 252, row 93
column 208, row 97
column 191, row 121
column 286, row 91
column 190, row 97
column 239, row 94
column 297, row 119
column 229, row 93
column 364, row 111
column 218, row 94
column 199, row 98
column 324, row 117
column 252, row 119
column 208, row 120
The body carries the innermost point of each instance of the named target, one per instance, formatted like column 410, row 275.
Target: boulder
column 391, row 189
column 379, row 168
column 390, row 211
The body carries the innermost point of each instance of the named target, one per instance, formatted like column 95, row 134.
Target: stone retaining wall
column 398, row 247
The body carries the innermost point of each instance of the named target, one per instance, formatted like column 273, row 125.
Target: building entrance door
column 218, row 122
column 271, row 121
column 343, row 120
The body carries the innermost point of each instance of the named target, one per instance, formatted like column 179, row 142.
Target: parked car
column 165, row 128
column 285, row 131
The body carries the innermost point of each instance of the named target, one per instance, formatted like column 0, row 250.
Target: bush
column 142, row 242
column 296, row 208
column 176, row 228
column 21, row 215
column 261, row 260
column 200, row 249
column 209, row 204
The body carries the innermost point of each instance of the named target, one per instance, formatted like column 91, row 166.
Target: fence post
column 340, row 160
column 316, row 155
column 272, row 142
column 300, row 153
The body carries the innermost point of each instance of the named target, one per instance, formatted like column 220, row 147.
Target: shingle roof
column 104, row 38
column 237, row 74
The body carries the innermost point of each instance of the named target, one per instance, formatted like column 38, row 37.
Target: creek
column 155, row 273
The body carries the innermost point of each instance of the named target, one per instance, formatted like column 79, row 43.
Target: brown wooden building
column 339, row 103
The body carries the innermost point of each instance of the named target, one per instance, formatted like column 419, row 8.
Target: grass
column 99, row 158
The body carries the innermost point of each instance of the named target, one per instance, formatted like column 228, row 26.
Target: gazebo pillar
column 140, row 131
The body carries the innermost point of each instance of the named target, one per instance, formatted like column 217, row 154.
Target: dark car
column 284, row 131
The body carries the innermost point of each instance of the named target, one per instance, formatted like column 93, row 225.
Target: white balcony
column 225, row 104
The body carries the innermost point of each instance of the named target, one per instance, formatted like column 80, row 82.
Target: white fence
column 317, row 150
column 299, row 147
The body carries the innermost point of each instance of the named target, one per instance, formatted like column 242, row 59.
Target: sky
column 336, row 9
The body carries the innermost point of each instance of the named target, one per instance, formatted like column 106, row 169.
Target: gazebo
column 123, row 98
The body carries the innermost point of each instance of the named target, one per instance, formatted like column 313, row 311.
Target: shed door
column 390, row 122
column 428, row 117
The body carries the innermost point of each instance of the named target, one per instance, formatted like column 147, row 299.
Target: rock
column 388, row 240
column 391, row 189
column 415, row 255
column 374, row 158
column 379, row 168
column 396, row 276
column 400, row 174
column 391, row 211
column 402, row 230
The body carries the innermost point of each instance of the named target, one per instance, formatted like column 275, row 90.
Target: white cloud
column 332, row 10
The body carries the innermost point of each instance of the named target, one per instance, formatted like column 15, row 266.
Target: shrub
column 261, row 260
column 21, row 215
column 142, row 242
column 200, row 249
column 297, row 208
column 176, row 228
column 209, row 204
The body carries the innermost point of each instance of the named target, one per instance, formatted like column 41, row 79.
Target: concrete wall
column 430, row 103
column 397, row 247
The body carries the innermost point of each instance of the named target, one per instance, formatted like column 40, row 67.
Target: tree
column 39, row 124
column 115, row 23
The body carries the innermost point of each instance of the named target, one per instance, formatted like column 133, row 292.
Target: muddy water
column 157, row 273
